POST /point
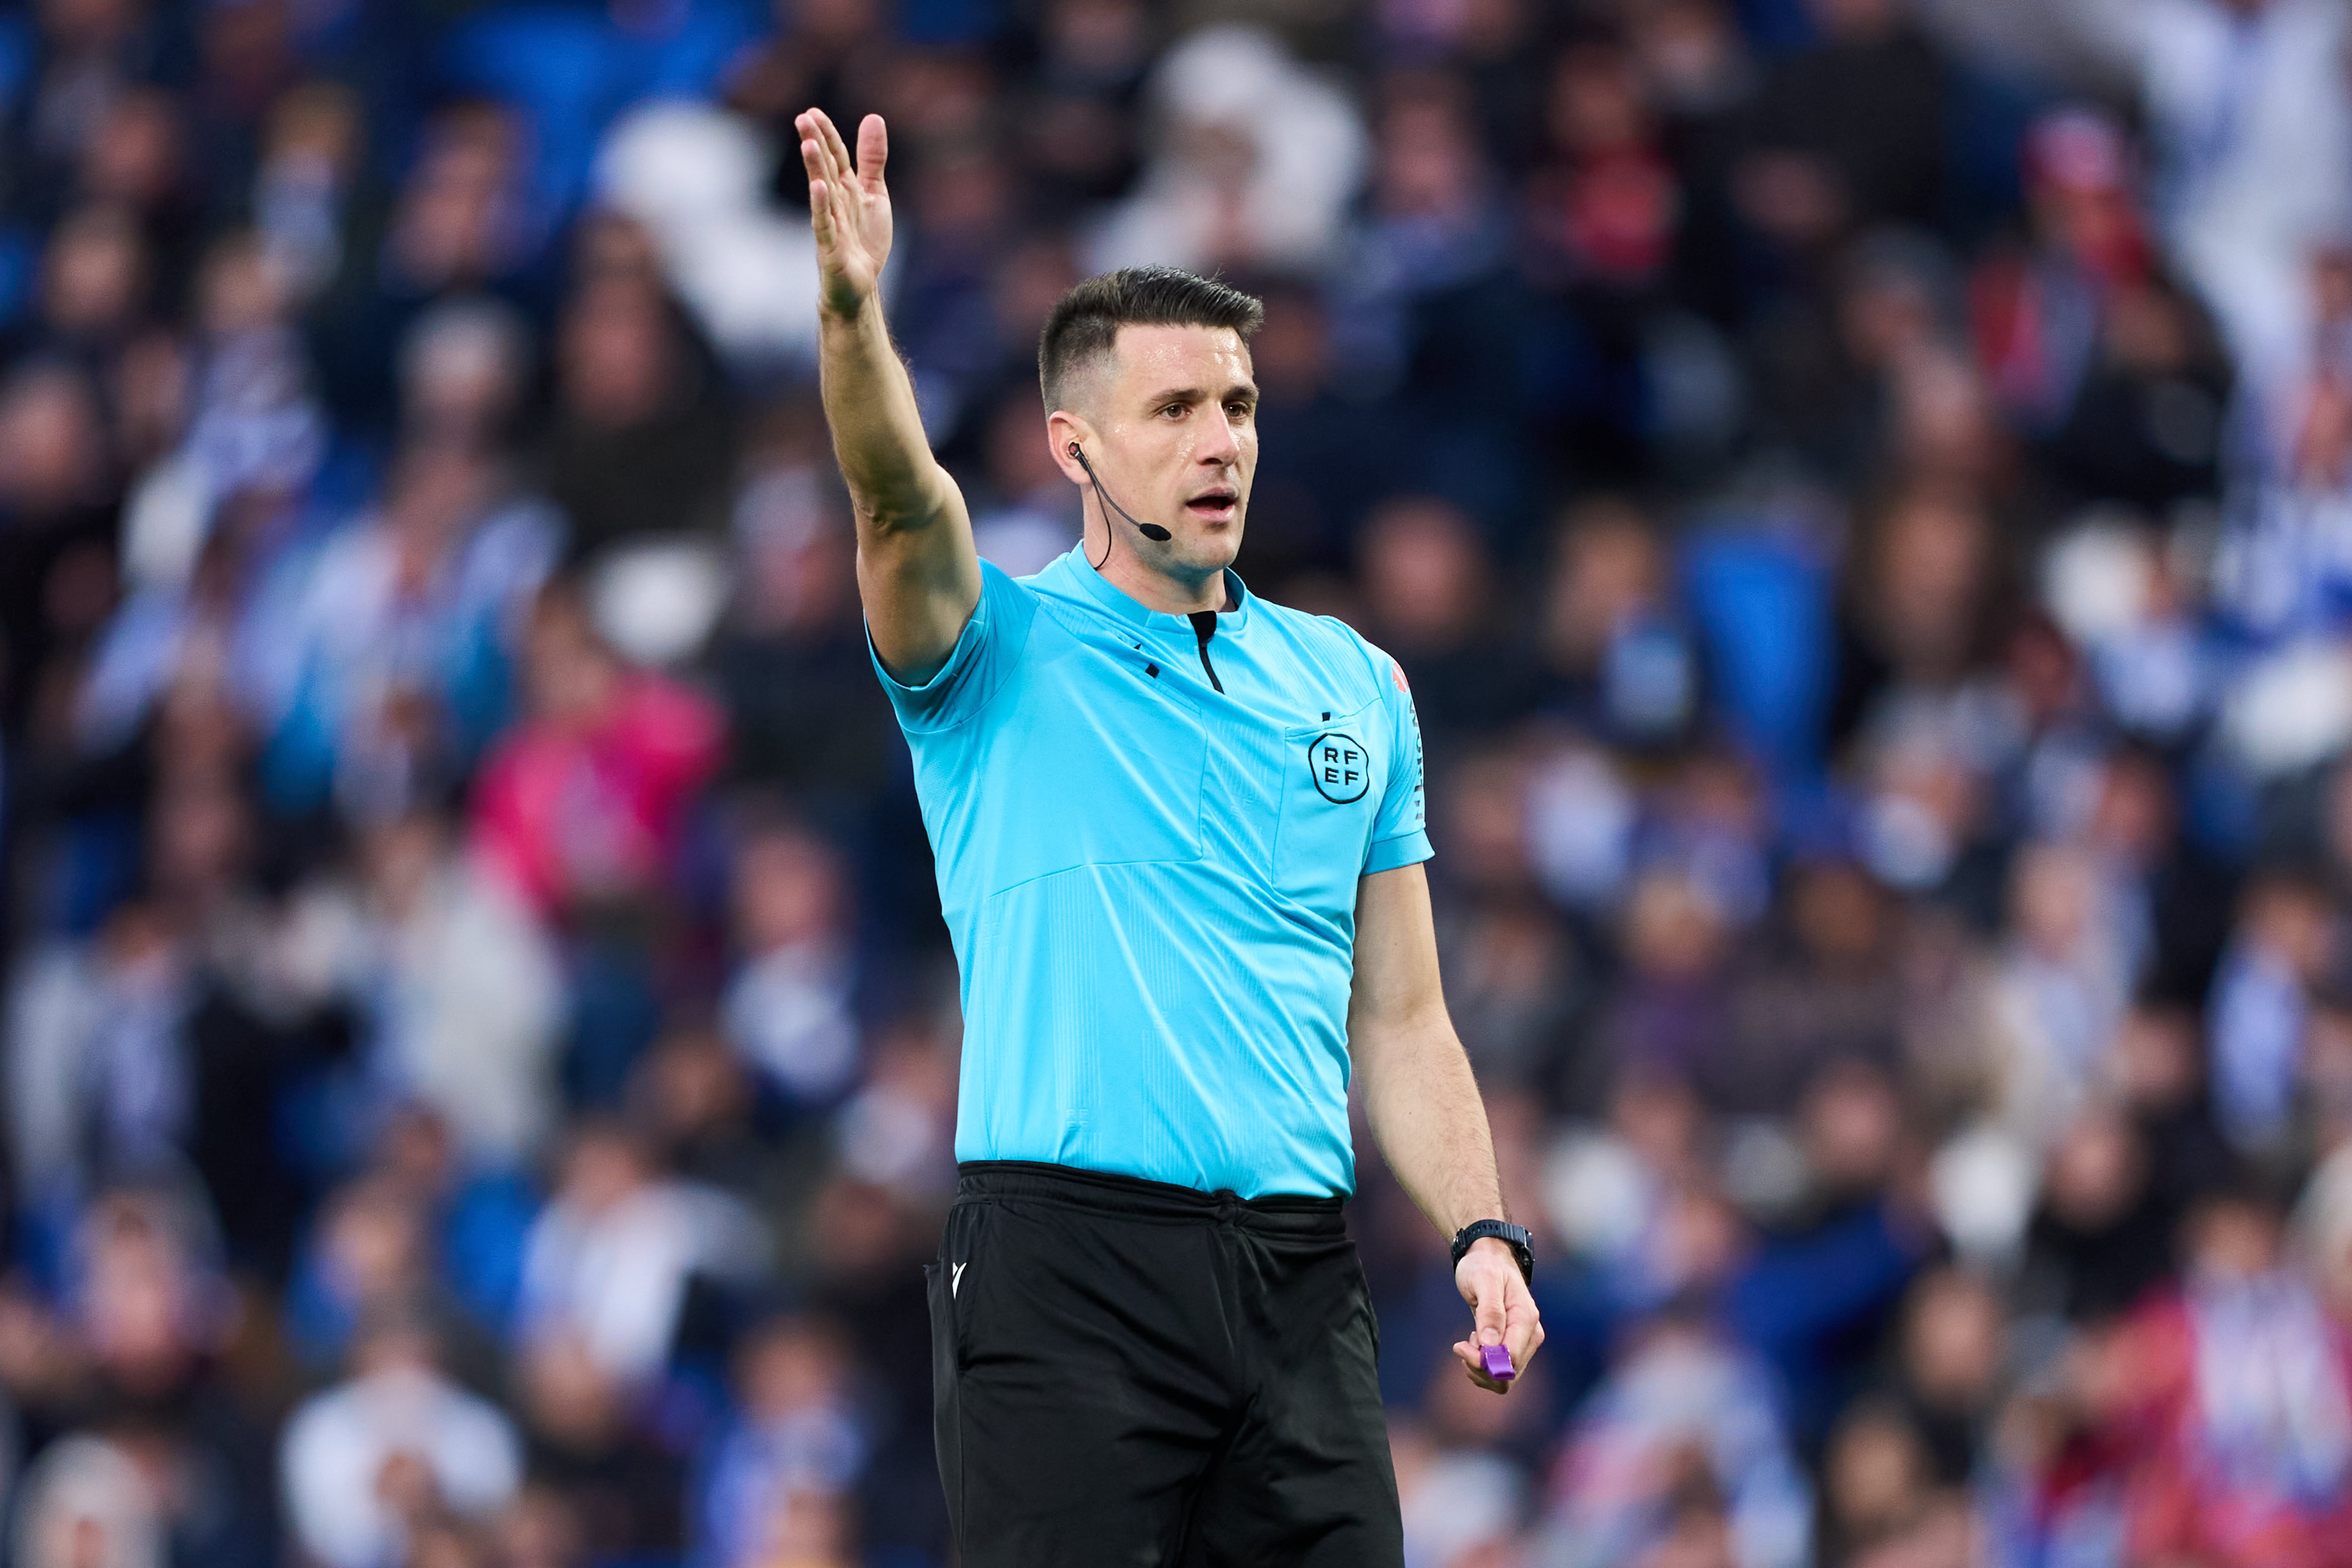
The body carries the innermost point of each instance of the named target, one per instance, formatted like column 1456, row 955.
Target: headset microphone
column 1151, row 530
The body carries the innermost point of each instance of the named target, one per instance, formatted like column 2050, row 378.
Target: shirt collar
column 1116, row 599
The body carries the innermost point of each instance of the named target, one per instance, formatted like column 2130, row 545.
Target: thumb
column 1487, row 1313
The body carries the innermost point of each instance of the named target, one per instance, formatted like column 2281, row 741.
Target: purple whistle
column 1499, row 1363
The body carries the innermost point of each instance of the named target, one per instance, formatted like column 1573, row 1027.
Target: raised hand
column 849, row 207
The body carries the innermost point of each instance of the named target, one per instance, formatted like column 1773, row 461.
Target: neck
column 1170, row 589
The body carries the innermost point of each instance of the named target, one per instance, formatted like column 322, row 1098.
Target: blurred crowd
column 1862, row 489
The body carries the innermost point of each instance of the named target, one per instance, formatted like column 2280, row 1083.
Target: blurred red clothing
column 589, row 811
column 2240, row 1421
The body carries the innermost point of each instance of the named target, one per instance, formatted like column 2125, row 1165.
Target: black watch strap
column 1514, row 1236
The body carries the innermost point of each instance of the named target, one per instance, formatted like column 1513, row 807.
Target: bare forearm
column 916, row 571
column 1431, row 1125
column 878, row 431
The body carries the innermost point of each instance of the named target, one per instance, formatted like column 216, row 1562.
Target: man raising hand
column 1179, row 835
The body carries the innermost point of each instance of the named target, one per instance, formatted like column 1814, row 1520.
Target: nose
column 1220, row 443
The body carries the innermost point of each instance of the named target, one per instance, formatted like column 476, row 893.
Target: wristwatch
column 1514, row 1236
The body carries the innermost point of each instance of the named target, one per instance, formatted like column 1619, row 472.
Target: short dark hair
column 1087, row 320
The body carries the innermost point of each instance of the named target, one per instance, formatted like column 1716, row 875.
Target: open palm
column 849, row 207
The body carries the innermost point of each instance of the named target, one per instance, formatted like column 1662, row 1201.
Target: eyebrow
column 1194, row 394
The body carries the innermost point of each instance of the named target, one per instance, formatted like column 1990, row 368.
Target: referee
column 1178, row 831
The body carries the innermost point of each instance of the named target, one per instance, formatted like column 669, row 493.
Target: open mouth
column 1214, row 503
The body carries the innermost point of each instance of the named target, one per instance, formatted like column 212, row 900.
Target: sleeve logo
column 1340, row 767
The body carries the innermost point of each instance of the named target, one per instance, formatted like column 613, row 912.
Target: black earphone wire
column 1109, row 506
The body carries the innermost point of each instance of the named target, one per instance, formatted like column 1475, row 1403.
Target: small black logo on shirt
column 1341, row 769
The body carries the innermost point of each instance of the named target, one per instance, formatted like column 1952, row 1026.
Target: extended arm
column 1424, row 1108
column 917, row 570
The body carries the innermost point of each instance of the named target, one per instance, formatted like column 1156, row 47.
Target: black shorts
column 1130, row 1372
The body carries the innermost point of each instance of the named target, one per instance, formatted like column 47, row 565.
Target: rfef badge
column 1342, row 768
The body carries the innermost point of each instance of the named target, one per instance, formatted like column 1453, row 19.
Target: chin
column 1209, row 546
column 1210, row 550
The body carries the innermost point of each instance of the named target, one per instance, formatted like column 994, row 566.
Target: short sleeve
column 1400, row 832
column 983, row 656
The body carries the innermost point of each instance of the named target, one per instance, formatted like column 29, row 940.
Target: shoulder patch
column 1396, row 673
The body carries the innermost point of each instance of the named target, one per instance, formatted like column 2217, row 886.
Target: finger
column 873, row 151
column 1475, row 1368
column 821, row 214
column 835, row 148
column 1523, row 1332
column 814, row 144
column 820, row 180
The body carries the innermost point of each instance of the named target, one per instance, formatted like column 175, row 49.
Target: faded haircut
column 1086, row 322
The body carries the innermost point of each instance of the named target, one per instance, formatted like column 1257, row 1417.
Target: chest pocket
column 1334, row 775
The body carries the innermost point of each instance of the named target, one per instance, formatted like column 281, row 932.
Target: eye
column 1174, row 411
column 1237, row 409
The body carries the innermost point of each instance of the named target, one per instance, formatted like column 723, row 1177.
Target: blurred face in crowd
column 1947, row 430
column 1690, row 51
column 1429, row 164
column 49, row 441
column 2155, row 1059
column 2323, row 440
column 1850, row 1125
column 1292, row 350
column 200, row 833
column 792, row 1368
column 375, row 1244
column 618, row 355
column 568, row 1398
column 315, row 126
column 1033, row 276
column 94, row 272
column 788, row 892
column 804, row 556
column 2293, row 921
column 1840, row 914
column 1018, row 466
column 1873, row 1473
column 2229, row 1239
column 541, row 1529
column 1927, row 574
column 1606, row 571
column 1674, row 931
column 2053, row 900
column 1424, row 574
column 2096, row 1174
column 437, row 490
column 1856, row 19
column 73, row 25
column 1596, row 103
column 1485, row 804
column 961, row 201
column 135, row 155
column 690, row 1088
column 237, row 292
column 461, row 370
column 572, row 677
column 605, row 1166
column 1887, row 315
column 138, row 1310
column 454, row 222
column 1952, row 1340
column 1169, row 419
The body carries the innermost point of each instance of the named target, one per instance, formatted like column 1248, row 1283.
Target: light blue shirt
column 1151, row 883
